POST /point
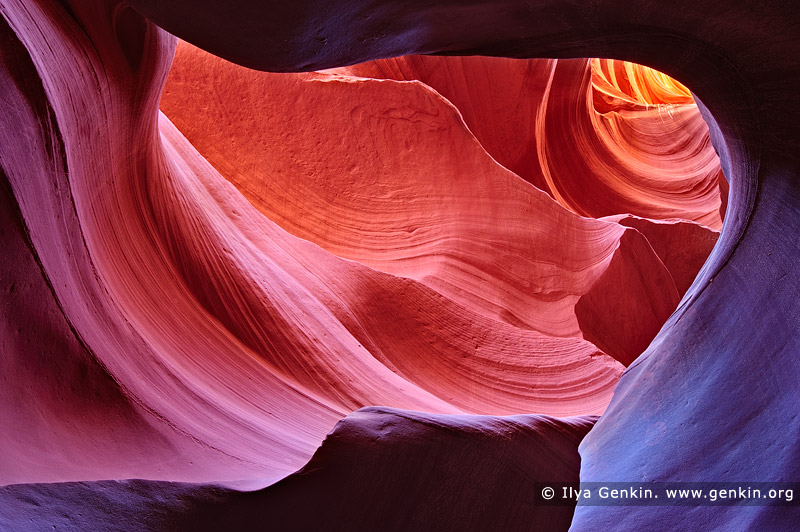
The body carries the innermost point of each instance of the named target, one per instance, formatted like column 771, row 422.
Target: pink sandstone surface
column 198, row 295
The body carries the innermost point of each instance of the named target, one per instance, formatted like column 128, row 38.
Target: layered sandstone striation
column 199, row 295
column 337, row 241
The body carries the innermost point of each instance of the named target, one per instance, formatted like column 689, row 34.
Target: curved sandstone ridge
column 404, row 188
column 370, row 473
column 167, row 317
column 595, row 134
column 190, row 337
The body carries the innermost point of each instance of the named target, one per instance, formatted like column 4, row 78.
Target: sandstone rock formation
column 206, row 309
column 359, row 479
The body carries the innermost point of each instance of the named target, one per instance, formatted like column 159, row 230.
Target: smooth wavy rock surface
column 205, row 342
column 435, row 207
column 373, row 455
column 440, row 281
column 161, row 319
column 602, row 137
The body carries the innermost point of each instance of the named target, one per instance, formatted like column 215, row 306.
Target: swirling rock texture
column 206, row 311
column 590, row 133
column 474, row 233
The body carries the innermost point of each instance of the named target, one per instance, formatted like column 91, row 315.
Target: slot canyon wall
column 207, row 267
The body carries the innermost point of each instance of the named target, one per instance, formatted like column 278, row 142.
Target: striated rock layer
column 189, row 337
column 602, row 137
column 164, row 322
column 719, row 381
column 404, row 188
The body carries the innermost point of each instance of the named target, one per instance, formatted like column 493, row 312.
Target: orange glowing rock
column 603, row 137
column 404, row 188
column 409, row 232
column 303, row 245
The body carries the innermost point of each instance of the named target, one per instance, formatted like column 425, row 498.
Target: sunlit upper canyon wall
column 211, row 270
column 377, row 164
